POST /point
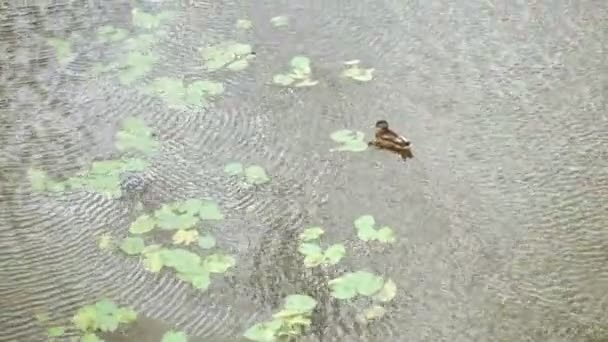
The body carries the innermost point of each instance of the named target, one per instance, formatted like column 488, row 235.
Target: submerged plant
column 351, row 141
column 103, row 316
column 300, row 75
column 63, row 49
column 356, row 73
column 178, row 95
column 314, row 254
column 233, row 55
column 288, row 323
column 366, row 231
column 253, row 174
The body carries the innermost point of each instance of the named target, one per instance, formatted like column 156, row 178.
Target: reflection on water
column 498, row 217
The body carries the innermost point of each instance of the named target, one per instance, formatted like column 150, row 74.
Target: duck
column 389, row 140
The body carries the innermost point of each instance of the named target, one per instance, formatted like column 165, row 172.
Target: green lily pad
column 301, row 64
column 234, row 169
column 244, row 24
column 388, row 292
column 142, row 224
column 226, row 54
column 55, row 331
column 90, row 337
column 374, row 312
column 132, row 245
column 174, row 336
column 136, row 65
column 206, row 242
column 218, row 263
column 300, row 303
column 311, row 233
column 282, row 79
column 334, row 253
column 200, row 280
column 351, row 284
column 306, row 83
column 103, row 316
column 359, row 74
column 148, row 20
column 153, row 261
column 279, row 20
column 38, row 179
column 136, row 136
column 366, row 231
column 210, row 211
column 168, row 219
column 310, row 248
column 256, row 175
column 141, row 42
column 314, row 259
column 264, row 332
column 350, row 140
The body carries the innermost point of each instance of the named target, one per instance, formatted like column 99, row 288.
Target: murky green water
column 499, row 218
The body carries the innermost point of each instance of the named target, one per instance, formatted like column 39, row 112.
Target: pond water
column 499, row 218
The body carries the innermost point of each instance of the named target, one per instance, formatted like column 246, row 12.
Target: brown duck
column 389, row 140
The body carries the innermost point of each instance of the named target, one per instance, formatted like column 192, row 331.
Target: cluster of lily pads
column 352, row 141
column 253, row 174
column 103, row 316
column 288, row 323
column 181, row 220
column 104, row 176
column 348, row 286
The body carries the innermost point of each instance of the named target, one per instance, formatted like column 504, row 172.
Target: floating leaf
column 233, row 169
column 206, row 88
column 140, row 42
column 132, row 245
column 280, row 20
column 301, row 64
column 168, row 219
column 300, row 303
column 366, row 231
column 210, row 211
column 90, row 337
column 311, row 233
column 142, row 224
column 282, row 79
column 153, row 261
column 148, row 20
column 264, row 332
column 351, row 284
column 38, row 179
column 334, row 253
column 310, row 248
column 105, row 242
column 136, row 65
column 182, row 260
column 314, row 259
column 200, row 280
column 256, row 175
column 218, row 263
column 238, row 65
column 306, row 83
column 185, row 237
column 374, row 312
column 388, row 291
column 359, row 74
column 351, row 140
column 174, row 336
column 56, row 331
column 385, row 235
column 206, row 242
column 220, row 55
column 244, row 24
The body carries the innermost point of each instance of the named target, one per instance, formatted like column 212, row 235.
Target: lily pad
column 334, row 253
column 300, row 75
column 102, row 316
column 185, row 237
column 177, row 95
column 167, row 218
column 311, row 233
column 105, row 242
column 351, row 141
column 132, row 245
column 174, row 336
column 244, row 24
column 264, row 332
column 148, row 20
column 234, row 169
column 388, row 292
column 301, row 64
column 136, row 65
column 206, row 242
column 90, row 337
column 357, row 73
column 279, row 20
column 256, row 174
column 300, row 303
column 366, row 231
column 351, row 284
column 374, row 312
column 218, row 263
column 142, row 224
column 55, row 331
column 225, row 54
column 282, row 79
